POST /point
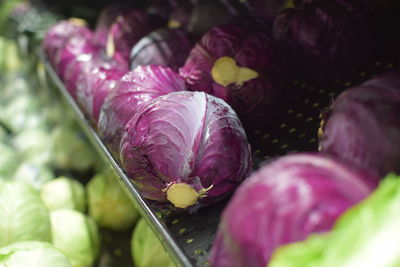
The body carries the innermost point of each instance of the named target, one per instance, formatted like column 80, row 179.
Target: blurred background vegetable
column 64, row 193
column 32, row 254
column 284, row 202
column 109, row 205
column 24, row 216
column 76, row 235
column 363, row 125
column 147, row 250
column 365, row 235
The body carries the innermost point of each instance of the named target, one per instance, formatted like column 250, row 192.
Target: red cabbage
column 126, row 31
column 58, row 33
column 244, row 67
column 284, row 202
column 80, row 66
column 363, row 125
column 77, row 45
column 165, row 46
column 95, row 85
column 134, row 89
column 185, row 148
column 328, row 38
column 106, row 17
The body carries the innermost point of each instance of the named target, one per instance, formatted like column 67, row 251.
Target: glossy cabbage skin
column 257, row 100
column 284, row 202
column 58, row 33
column 95, row 85
column 363, row 125
column 186, row 137
column 135, row 88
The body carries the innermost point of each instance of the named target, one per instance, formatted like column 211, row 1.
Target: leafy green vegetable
column 364, row 236
column 8, row 161
column 23, row 214
column 64, row 193
column 33, row 174
column 34, row 146
column 76, row 235
column 21, row 113
column 32, row 254
column 146, row 249
column 67, row 142
column 109, row 205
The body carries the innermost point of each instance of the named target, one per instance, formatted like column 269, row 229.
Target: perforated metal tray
column 188, row 237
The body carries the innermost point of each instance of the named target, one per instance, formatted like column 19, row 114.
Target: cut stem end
column 182, row 195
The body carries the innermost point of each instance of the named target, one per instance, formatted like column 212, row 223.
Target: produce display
column 247, row 133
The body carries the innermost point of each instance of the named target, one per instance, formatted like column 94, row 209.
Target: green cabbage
column 76, row 235
column 109, row 205
column 33, row 145
column 3, row 134
column 23, row 215
column 64, row 193
column 33, row 174
column 21, row 113
column 364, row 236
column 71, row 149
column 8, row 161
column 146, row 249
column 32, row 254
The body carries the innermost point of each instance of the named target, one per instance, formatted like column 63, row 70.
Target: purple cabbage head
column 134, row 89
column 58, row 33
column 165, row 46
column 363, row 125
column 186, row 149
column 106, row 17
column 95, row 85
column 327, row 38
column 71, row 48
column 243, row 67
column 284, row 202
column 126, row 31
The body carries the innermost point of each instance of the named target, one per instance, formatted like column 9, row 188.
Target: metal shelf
column 188, row 237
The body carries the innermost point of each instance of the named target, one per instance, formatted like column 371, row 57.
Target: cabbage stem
column 225, row 72
column 182, row 195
